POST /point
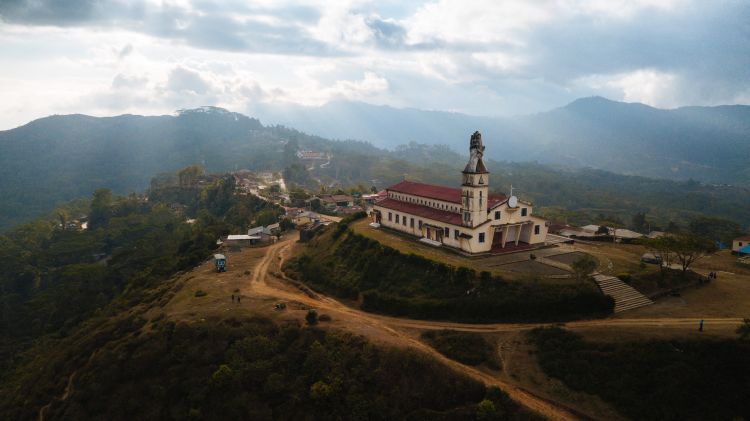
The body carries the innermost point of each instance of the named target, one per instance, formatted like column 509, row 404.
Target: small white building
column 467, row 218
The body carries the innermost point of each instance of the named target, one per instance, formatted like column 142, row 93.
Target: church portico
column 469, row 218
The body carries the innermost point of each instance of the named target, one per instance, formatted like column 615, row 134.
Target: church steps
column 625, row 296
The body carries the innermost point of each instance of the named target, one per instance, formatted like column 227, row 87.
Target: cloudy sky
column 494, row 57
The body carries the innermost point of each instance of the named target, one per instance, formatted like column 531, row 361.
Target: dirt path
column 267, row 282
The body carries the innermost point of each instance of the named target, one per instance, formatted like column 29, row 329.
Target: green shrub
column 311, row 317
column 464, row 347
column 624, row 277
column 351, row 266
column 654, row 379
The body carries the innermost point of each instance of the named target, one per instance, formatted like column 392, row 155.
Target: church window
column 481, row 180
column 390, row 216
column 447, row 232
column 420, row 224
column 536, row 229
column 467, row 216
column 455, row 234
column 480, row 198
column 397, row 221
column 411, row 223
column 524, row 211
column 481, row 237
column 497, row 214
column 404, row 220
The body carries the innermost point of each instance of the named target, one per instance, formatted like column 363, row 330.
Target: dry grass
column 520, row 367
column 219, row 288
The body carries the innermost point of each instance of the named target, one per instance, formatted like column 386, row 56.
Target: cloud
column 186, row 80
column 121, row 81
column 480, row 57
column 125, row 51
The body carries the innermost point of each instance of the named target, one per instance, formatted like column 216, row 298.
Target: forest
column 653, row 379
column 40, row 168
column 55, row 277
column 239, row 369
column 77, row 315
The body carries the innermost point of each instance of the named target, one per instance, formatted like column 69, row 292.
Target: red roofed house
column 470, row 218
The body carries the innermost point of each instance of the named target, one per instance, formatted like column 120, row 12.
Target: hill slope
column 703, row 143
column 60, row 158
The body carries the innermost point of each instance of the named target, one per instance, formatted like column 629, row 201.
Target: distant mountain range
column 710, row 144
column 55, row 159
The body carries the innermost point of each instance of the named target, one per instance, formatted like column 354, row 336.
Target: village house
column 469, row 219
column 239, row 240
column 741, row 245
column 305, row 218
column 374, row 197
column 332, row 201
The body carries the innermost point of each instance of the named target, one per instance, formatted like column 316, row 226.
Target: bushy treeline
column 351, row 266
column 465, row 347
column 54, row 278
column 252, row 369
column 654, row 379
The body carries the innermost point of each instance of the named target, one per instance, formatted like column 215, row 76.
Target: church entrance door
column 497, row 239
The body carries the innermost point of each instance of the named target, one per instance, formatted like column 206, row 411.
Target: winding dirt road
column 267, row 281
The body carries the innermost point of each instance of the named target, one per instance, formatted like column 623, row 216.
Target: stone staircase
column 626, row 297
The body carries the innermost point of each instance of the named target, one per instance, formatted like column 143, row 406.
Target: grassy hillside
column 653, row 380
column 348, row 265
column 134, row 368
column 85, row 334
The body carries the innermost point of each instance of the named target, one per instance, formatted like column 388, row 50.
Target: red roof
column 446, row 194
column 743, row 238
column 420, row 210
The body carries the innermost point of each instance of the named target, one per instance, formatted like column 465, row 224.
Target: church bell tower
column 475, row 185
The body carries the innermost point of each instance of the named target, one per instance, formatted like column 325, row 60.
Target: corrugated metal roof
column 237, row 237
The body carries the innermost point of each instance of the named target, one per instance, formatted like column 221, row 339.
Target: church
column 469, row 219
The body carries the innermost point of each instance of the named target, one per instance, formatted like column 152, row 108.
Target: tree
column 715, row 229
column 101, row 208
column 672, row 227
column 62, row 216
column 188, row 176
column 286, row 224
column 311, row 317
column 584, row 266
column 744, row 329
column 486, row 410
column 689, row 248
column 639, row 222
column 662, row 247
column 267, row 217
